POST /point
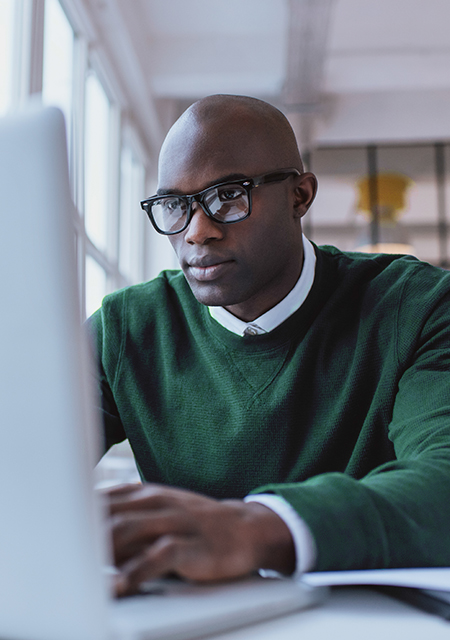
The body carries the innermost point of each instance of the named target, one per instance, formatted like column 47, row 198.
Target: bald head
column 257, row 117
column 248, row 135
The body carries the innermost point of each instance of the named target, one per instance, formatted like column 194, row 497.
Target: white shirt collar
column 280, row 312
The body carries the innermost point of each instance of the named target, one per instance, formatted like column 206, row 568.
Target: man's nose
column 202, row 229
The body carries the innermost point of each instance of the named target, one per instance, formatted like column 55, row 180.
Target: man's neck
column 281, row 311
column 261, row 303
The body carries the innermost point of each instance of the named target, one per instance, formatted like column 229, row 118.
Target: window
column 49, row 47
column 107, row 176
column 417, row 218
column 333, row 219
column 132, row 218
column 96, row 147
column 95, row 285
column 58, row 59
column 6, row 57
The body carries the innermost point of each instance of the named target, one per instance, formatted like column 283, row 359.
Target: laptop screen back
column 50, row 548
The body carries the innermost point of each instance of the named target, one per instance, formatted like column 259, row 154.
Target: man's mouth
column 207, row 269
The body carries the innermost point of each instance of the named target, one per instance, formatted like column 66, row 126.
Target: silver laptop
column 52, row 542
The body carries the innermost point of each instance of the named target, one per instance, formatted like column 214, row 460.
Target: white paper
column 435, row 578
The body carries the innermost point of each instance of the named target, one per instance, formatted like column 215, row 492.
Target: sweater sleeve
column 397, row 515
column 113, row 430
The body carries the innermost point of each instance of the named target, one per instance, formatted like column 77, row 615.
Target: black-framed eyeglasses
column 227, row 202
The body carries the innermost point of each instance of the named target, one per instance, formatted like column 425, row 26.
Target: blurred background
column 365, row 84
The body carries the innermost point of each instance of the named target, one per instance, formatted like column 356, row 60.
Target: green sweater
column 343, row 410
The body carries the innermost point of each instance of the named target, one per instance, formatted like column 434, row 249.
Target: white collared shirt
column 305, row 546
column 280, row 312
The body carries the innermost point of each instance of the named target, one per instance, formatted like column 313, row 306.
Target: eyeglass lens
column 227, row 203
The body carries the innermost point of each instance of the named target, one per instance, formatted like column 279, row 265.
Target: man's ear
column 304, row 193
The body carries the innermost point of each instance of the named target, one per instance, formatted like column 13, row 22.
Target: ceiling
column 345, row 71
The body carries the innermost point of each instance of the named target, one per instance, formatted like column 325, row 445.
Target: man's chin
column 210, row 294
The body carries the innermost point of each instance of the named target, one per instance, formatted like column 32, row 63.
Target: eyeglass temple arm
column 277, row 176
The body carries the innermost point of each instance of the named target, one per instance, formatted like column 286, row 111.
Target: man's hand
column 158, row 530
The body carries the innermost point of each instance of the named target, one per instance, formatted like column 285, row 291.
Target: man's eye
column 230, row 193
column 172, row 204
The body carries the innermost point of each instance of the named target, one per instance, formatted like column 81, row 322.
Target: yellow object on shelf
column 390, row 192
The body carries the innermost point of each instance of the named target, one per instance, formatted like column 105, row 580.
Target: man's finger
column 133, row 530
column 138, row 497
column 121, row 489
column 156, row 561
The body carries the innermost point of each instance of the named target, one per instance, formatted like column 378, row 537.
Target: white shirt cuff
column 304, row 544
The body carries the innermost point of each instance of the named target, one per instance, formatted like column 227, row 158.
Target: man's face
column 249, row 266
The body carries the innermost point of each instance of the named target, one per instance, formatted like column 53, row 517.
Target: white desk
column 350, row 613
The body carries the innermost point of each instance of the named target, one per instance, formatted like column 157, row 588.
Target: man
column 317, row 380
